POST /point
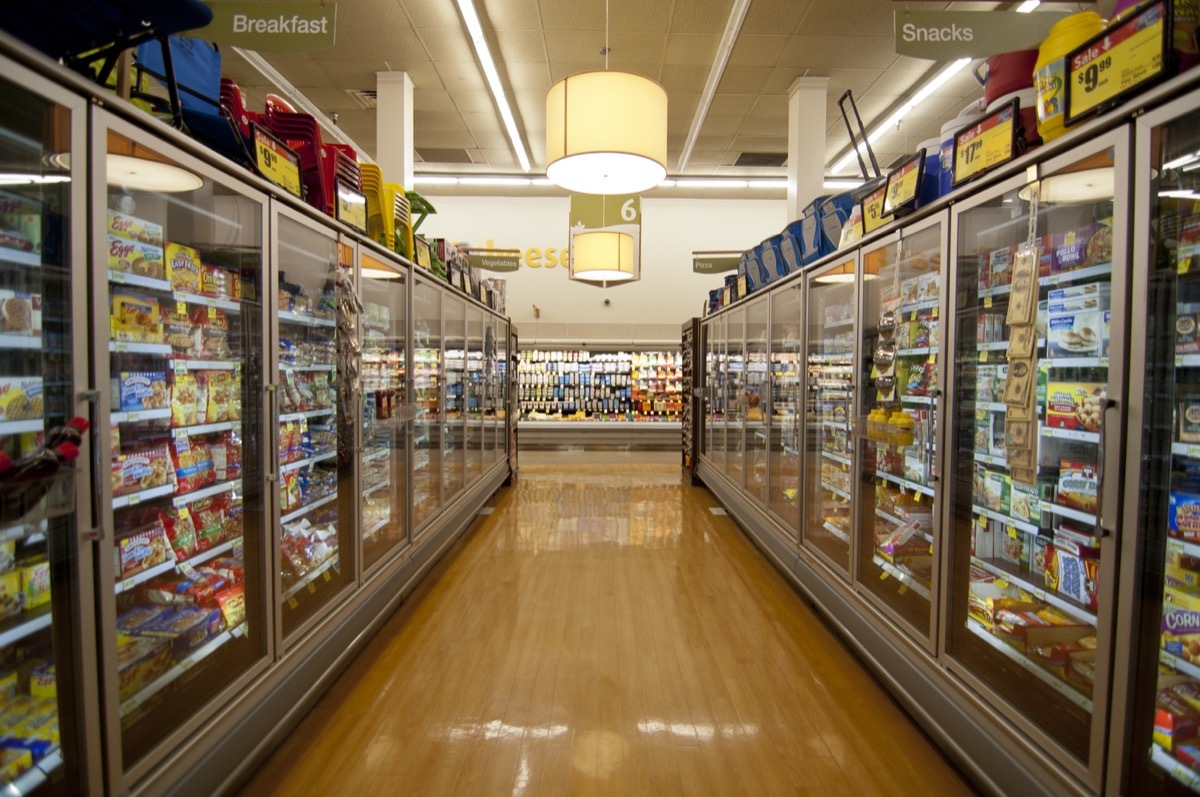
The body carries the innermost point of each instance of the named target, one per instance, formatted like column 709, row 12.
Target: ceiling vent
column 762, row 160
column 367, row 98
column 444, row 155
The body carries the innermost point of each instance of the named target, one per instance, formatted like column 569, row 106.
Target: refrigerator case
column 179, row 322
column 427, row 379
column 1039, row 281
column 42, row 665
column 1163, row 459
column 900, row 375
column 384, row 449
column 737, row 397
column 315, row 489
column 454, row 443
column 786, row 406
column 756, row 395
column 829, row 404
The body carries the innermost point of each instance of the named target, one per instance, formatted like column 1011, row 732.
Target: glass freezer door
column 315, row 477
column 714, row 392
column 454, row 427
column 1165, row 715
column 183, row 272
column 756, row 397
column 473, row 390
column 787, row 363
column 384, row 454
column 902, row 331
column 736, row 397
column 1038, row 288
column 828, row 406
column 427, row 398
column 42, row 748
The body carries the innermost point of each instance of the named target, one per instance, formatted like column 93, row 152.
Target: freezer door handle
column 1109, row 488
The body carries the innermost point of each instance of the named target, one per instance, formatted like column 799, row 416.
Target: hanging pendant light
column 606, row 132
column 602, row 256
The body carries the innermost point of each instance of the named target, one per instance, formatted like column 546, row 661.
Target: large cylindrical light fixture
column 602, row 256
column 606, row 133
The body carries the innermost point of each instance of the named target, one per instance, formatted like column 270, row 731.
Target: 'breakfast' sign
column 272, row 27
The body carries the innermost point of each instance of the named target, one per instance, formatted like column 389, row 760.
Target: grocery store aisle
column 604, row 633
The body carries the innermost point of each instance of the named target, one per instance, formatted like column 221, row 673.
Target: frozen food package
column 214, row 333
column 187, row 408
column 143, row 548
column 134, row 317
column 136, row 258
column 179, row 331
column 183, row 268
column 143, row 470
column 20, row 312
column 20, row 398
column 132, row 228
column 142, row 390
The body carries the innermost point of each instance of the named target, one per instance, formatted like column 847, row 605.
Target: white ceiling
column 536, row 42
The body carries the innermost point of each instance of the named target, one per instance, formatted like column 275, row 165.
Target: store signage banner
column 495, row 259
column 614, row 213
column 714, row 262
column 272, row 27
column 948, row 35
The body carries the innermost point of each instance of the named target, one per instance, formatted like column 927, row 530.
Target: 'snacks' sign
column 272, row 27
column 947, row 35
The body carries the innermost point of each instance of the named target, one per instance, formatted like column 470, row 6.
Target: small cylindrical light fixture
column 606, row 133
column 602, row 256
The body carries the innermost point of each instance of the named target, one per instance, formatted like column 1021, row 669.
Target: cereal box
column 143, row 390
column 134, row 317
column 143, row 548
column 35, row 583
column 135, row 257
column 183, row 268
column 1183, row 515
column 134, row 229
column 21, row 313
column 20, row 398
column 1075, row 405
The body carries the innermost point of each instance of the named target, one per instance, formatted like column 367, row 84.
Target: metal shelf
column 995, row 345
column 19, row 257
column 836, row 457
column 1005, row 519
column 917, row 352
column 991, row 406
column 181, row 501
column 990, row 459
column 209, row 365
column 1006, row 571
column 839, row 493
column 1179, row 665
column 1068, row 512
column 310, row 577
column 1189, row 450
column 137, row 280
column 835, row 531
column 26, row 623
column 1178, row 770
column 145, row 575
column 376, row 527
column 928, row 304
column 918, row 488
column 35, row 776
column 227, row 305
column 207, row 428
column 292, row 367
column 1074, row 362
column 1071, row 434
column 304, row 510
column 924, row 400
column 145, row 495
column 141, row 415
column 20, row 341
column 299, row 416
column 20, row 427
column 907, row 579
column 291, row 466
column 999, row 290
column 1100, row 270
column 124, row 347
column 306, row 320
column 1008, row 651
column 1176, row 545
column 180, row 668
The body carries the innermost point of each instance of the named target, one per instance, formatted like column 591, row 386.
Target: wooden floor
column 604, row 633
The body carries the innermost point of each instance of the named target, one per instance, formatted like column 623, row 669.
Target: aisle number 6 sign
column 621, row 213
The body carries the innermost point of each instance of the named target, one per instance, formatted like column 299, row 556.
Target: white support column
column 807, row 99
column 394, row 127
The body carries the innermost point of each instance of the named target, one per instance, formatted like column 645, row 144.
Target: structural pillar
column 394, row 127
column 807, row 99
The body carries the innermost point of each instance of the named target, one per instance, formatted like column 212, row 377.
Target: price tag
column 180, row 368
column 326, row 575
column 1117, row 63
column 903, row 589
column 118, row 346
column 181, row 307
column 312, row 588
column 986, row 144
column 351, row 207
column 883, row 576
column 289, row 376
column 933, row 312
column 873, row 215
column 292, row 603
column 181, row 435
column 903, row 185
column 131, row 417
column 987, row 301
column 741, row 285
column 136, row 498
column 276, row 161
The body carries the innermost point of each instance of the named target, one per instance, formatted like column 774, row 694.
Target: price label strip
column 351, row 207
column 276, row 161
column 1121, row 61
column 986, row 144
column 903, row 185
column 873, row 214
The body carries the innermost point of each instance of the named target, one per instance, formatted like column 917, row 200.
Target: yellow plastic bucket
column 1050, row 70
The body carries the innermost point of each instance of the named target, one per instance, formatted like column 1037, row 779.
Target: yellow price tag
column 983, row 356
column 351, row 207
column 917, row 498
column 934, row 312
column 277, row 162
column 312, row 588
column 1126, row 57
column 293, row 603
column 903, row 589
column 181, row 307
column 741, row 285
column 326, row 575
column 984, row 145
column 873, row 214
column 902, row 185
column 883, row 576
column 987, row 301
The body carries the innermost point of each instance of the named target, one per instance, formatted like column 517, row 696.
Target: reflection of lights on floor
column 498, row 729
column 703, row 731
column 524, row 776
column 598, row 753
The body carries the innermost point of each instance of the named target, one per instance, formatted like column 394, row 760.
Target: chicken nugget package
column 226, row 455
column 209, row 514
column 181, row 531
column 193, row 468
column 180, row 332
column 189, row 405
column 142, row 390
column 183, row 268
column 224, row 395
column 232, row 603
column 142, row 470
column 214, row 333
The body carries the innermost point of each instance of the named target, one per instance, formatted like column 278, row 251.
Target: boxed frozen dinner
column 1181, row 633
column 143, row 390
column 1074, row 576
column 134, row 317
column 1075, row 405
column 1074, row 334
column 1078, row 483
column 183, row 268
column 1175, row 721
column 140, row 660
column 187, row 628
column 134, row 229
column 135, row 257
column 1183, row 514
column 20, row 398
column 20, row 313
column 143, row 548
column 35, row 583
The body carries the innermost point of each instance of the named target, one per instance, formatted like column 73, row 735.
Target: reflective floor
column 604, row 633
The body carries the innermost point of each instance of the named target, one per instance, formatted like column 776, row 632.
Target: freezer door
column 427, row 397
column 786, row 406
column 756, row 397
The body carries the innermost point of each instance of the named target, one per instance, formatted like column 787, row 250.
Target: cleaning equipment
column 1005, row 73
column 966, row 117
column 1051, row 69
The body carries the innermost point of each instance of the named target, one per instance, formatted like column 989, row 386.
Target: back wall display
column 650, row 309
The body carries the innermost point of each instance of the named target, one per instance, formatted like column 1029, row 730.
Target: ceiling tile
column 780, row 80
column 473, row 101
column 722, row 125
column 527, row 77
column 504, row 15
column 493, row 140
column 432, row 14
column 576, row 45
column 837, row 52
column 692, row 49
column 434, row 121
column 759, row 143
column 774, row 16
column 562, row 69
column 634, row 47
column 871, row 17
column 443, row 139
column 898, row 82
column 761, row 50
column 478, row 121
column 683, row 79
column 448, row 44
column 744, row 79
column 529, row 106
column 560, row 15
column 700, row 17
column 519, row 46
column 727, row 103
column 707, row 157
column 361, row 74
column 298, row 73
column 502, row 160
column 770, row 105
column 764, row 126
column 713, row 143
column 639, row 15
column 432, row 100
column 460, row 75
column 332, row 99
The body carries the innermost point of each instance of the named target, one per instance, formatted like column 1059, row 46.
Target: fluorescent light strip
column 728, row 38
column 1028, row 6
column 493, row 79
column 328, row 129
column 922, row 94
column 1181, row 161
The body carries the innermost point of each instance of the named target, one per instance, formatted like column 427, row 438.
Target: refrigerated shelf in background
column 917, row 488
column 306, row 320
column 1176, row 545
column 227, row 305
column 291, row 466
column 180, row 501
column 20, row 342
column 1189, row 450
column 1178, row 770
column 376, row 527
column 207, row 428
column 145, row 495
column 995, row 345
column 836, row 457
column 300, row 416
column 19, row 530
column 1179, row 665
column 917, row 399
column 21, row 427
column 1003, row 569
column 304, row 510
column 208, row 365
column 838, row 492
column 1071, row 434
column 19, row 257
column 374, row 455
column 138, row 281
column 17, row 628
column 1005, row 519
column 141, row 415
column 157, row 685
column 907, row 579
column 917, row 352
column 1187, row 360
column 991, row 406
column 1068, row 512
column 835, row 531
column 1074, row 362
column 1012, row 654
column 898, row 521
column 312, row 576
column 129, row 583
column 990, row 459
column 928, row 304
column 1101, row 270
column 36, row 775
column 306, row 368
column 126, row 347
column 999, row 290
